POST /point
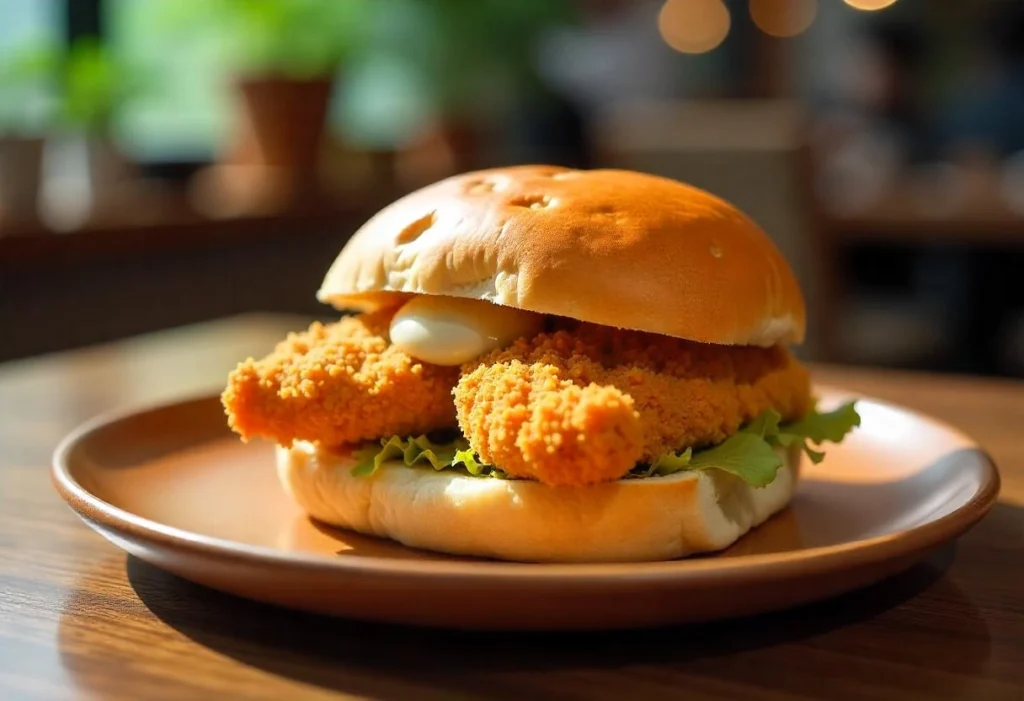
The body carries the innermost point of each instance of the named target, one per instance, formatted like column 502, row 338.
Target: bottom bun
column 655, row 518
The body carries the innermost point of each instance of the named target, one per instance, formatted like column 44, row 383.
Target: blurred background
column 164, row 162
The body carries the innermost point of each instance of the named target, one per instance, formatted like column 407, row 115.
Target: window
column 182, row 111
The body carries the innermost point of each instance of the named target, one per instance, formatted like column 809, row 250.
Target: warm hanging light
column 870, row 5
column 783, row 18
column 694, row 26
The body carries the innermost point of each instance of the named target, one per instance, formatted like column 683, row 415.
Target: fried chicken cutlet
column 338, row 384
column 579, row 405
column 585, row 404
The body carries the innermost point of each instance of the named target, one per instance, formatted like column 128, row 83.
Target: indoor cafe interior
column 176, row 179
column 146, row 187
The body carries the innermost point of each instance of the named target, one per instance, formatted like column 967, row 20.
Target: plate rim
column 821, row 559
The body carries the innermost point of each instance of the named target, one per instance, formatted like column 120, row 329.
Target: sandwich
column 546, row 365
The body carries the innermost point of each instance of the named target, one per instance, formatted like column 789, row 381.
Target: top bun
column 610, row 247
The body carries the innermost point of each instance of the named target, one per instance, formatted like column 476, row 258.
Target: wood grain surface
column 78, row 619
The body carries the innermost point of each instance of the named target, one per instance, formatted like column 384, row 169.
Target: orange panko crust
column 339, row 383
column 586, row 403
column 579, row 405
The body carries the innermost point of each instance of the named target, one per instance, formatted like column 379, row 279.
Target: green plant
column 27, row 89
column 95, row 83
column 290, row 38
column 80, row 88
column 445, row 60
column 463, row 49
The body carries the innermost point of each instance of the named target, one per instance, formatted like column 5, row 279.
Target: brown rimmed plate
column 172, row 486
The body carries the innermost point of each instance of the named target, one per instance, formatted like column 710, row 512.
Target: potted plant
column 81, row 89
column 285, row 55
column 95, row 83
column 456, row 65
column 25, row 105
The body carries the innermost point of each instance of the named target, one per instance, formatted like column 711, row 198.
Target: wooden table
column 80, row 620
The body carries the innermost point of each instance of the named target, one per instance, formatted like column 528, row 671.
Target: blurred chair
column 749, row 152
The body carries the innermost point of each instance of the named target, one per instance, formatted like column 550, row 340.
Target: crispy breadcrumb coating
column 586, row 403
column 577, row 405
column 339, row 383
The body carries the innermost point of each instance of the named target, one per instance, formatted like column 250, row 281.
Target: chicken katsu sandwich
column 546, row 365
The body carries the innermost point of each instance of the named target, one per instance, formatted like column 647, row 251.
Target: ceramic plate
column 173, row 487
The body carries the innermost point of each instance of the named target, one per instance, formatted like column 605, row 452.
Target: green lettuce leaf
column 370, row 458
column 468, row 459
column 420, row 450
column 670, row 463
column 749, row 454
column 818, row 428
column 746, row 455
column 412, row 451
column 766, row 425
column 439, row 456
column 829, row 427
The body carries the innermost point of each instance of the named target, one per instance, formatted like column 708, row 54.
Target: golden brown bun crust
column 659, row 518
column 611, row 247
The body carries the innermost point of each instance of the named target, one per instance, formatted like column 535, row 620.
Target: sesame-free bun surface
column 651, row 519
column 611, row 247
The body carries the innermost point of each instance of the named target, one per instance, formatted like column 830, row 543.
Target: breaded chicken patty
column 578, row 405
column 339, row 383
column 587, row 403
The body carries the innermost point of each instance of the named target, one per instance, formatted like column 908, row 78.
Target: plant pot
column 283, row 123
column 443, row 148
column 20, row 179
column 273, row 160
column 84, row 178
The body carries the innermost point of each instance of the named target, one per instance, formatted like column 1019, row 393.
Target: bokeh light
column 870, row 5
column 783, row 18
column 694, row 26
